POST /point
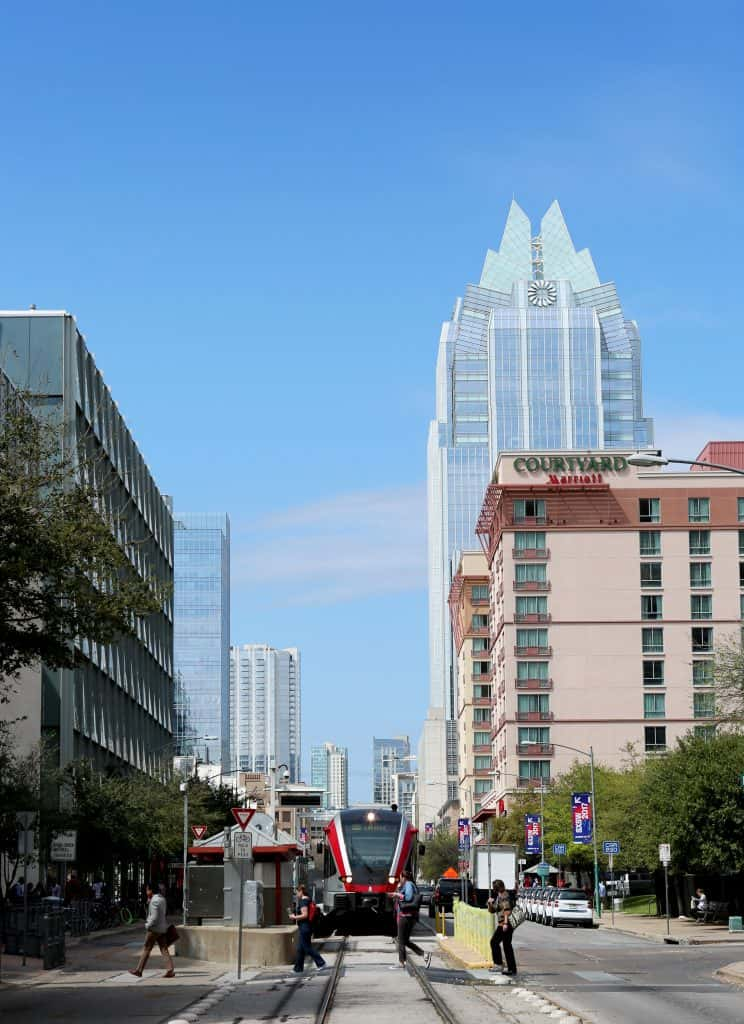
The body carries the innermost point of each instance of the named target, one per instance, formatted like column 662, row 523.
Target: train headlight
column 392, row 879
column 346, row 879
column 371, row 816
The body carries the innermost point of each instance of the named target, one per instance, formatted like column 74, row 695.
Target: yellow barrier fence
column 474, row 927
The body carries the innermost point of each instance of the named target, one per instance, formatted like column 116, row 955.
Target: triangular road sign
column 243, row 815
column 199, row 831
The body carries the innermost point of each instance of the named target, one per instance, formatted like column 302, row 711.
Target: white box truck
column 489, row 861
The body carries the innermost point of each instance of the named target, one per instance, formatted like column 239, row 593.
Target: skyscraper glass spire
column 538, row 355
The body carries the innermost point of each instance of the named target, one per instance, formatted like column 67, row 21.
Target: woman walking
column 407, row 918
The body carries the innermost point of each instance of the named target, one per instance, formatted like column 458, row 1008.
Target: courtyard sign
column 571, row 469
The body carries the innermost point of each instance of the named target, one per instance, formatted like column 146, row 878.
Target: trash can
column 735, row 924
column 617, row 904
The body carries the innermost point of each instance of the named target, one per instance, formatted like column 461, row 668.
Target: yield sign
column 199, row 831
column 243, row 815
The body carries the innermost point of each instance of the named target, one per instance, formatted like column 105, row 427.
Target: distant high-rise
column 538, row 355
column 329, row 771
column 202, row 631
column 389, row 756
column 265, row 708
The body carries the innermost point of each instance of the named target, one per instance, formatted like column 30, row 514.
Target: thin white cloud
column 337, row 549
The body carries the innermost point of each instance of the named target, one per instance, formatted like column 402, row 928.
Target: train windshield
column 371, row 845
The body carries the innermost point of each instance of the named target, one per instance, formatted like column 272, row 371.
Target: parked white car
column 570, row 906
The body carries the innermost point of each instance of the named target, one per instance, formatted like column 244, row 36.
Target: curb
column 458, row 957
column 734, row 977
column 671, row 940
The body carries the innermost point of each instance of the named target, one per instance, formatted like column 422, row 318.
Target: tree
column 66, row 559
column 441, row 853
column 728, row 681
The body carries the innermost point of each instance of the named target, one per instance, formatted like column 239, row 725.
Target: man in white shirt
column 156, row 927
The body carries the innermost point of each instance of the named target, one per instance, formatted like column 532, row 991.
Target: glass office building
column 389, row 756
column 329, row 771
column 202, row 634
column 538, row 355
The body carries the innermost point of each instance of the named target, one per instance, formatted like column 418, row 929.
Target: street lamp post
column 272, row 780
column 650, row 460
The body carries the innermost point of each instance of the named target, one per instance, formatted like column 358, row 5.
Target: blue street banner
column 559, row 849
column 303, row 835
column 582, row 817
column 532, row 830
column 463, row 833
column 428, row 829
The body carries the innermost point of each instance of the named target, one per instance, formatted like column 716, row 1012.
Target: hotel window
column 533, row 703
column 532, row 670
column 481, row 739
column 534, row 770
column 741, row 606
column 480, row 645
column 740, row 509
column 480, row 622
column 703, row 705
column 654, row 738
column 482, row 786
column 701, row 606
column 650, row 574
column 700, row 542
column 702, row 638
column 702, row 673
column 653, row 673
column 527, row 638
column 741, row 574
column 741, row 542
column 654, row 705
column 650, row 542
column 652, row 640
column 698, row 510
column 700, row 574
column 479, row 592
column 649, row 510
column 481, row 715
column 482, row 762
column 529, row 573
column 529, row 508
column 534, row 734
column 532, row 541
column 651, row 606
column 704, row 732
column 482, row 692
column 481, row 668
column 532, row 606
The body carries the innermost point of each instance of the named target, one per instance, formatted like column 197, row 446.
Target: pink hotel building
column 610, row 587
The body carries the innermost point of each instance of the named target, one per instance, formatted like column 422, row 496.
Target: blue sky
column 261, row 217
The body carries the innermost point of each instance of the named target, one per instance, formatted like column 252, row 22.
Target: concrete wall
column 262, row 947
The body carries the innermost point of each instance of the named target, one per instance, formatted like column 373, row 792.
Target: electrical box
column 206, row 882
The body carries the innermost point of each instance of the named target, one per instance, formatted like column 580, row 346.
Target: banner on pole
column 303, row 835
column 428, row 829
column 582, row 817
column 532, row 832
column 463, row 833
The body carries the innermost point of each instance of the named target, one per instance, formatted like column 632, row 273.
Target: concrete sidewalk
column 682, row 931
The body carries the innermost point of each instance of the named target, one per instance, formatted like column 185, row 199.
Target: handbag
column 412, row 906
column 516, row 916
column 172, row 934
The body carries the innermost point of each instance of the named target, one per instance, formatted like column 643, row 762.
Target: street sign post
column 559, row 850
column 665, row 855
column 64, row 846
column 242, row 846
column 243, row 815
column 199, row 831
column 610, row 846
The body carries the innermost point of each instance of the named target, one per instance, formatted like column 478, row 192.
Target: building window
column 700, row 574
column 652, row 639
column 741, row 606
column 480, row 645
column 532, row 541
column 481, row 715
column 650, row 542
column 530, row 573
column 481, row 668
column 536, row 734
column 649, row 510
column 479, row 622
column 482, row 786
column 651, row 606
column 701, row 606
column 529, row 508
column 741, row 574
column 482, row 692
column 650, row 574
column 533, row 703
column 482, row 762
column 740, row 509
column 532, row 606
column 702, row 673
column 653, row 673
column 698, row 510
column 481, row 739
column 654, row 705
column 700, row 542
column 532, row 670
column 527, row 638
column 534, row 769
column 654, row 738
column 702, row 638
column 704, row 732
column 703, row 705
column 479, row 592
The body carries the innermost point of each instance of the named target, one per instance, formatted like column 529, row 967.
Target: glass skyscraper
column 329, row 771
column 202, row 633
column 389, row 756
column 538, row 355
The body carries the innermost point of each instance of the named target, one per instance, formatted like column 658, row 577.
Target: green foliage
column 728, row 681
column 441, row 853
column 63, row 573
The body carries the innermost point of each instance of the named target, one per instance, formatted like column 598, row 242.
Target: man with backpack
column 304, row 914
column 408, row 903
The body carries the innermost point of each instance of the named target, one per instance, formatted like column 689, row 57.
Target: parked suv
column 571, row 905
column 444, row 891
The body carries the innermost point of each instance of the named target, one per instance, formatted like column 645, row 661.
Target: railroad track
column 431, row 994
column 330, row 991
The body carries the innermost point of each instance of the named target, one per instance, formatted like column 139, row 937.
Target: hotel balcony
column 535, row 749
column 531, row 553
column 481, row 677
column 480, row 631
column 481, row 748
column 539, row 586
column 476, row 601
column 481, row 702
column 481, row 773
column 532, row 617
column 533, row 684
column 529, row 520
column 533, row 652
column 534, row 783
column 534, row 716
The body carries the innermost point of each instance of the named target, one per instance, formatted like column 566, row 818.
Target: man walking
column 406, row 920
column 305, row 937
column 500, row 905
column 156, row 927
